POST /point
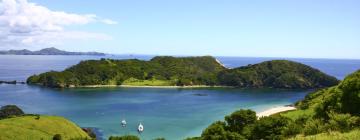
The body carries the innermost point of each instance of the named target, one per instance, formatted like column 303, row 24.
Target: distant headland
column 47, row 51
column 168, row 71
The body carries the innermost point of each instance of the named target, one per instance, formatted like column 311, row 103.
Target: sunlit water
column 168, row 113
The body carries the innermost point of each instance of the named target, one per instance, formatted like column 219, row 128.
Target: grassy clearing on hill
column 352, row 135
column 30, row 128
column 152, row 82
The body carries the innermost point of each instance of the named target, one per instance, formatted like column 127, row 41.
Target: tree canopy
column 185, row 71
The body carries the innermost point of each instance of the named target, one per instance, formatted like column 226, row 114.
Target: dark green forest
column 185, row 71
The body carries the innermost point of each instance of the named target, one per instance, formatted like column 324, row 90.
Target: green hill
column 185, row 71
column 276, row 74
column 330, row 113
column 31, row 128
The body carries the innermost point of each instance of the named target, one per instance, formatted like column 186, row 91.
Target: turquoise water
column 170, row 113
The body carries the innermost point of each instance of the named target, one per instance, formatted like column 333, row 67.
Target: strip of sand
column 141, row 86
column 275, row 110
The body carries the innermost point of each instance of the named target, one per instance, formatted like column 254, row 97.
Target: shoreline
column 274, row 110
column 133, row 86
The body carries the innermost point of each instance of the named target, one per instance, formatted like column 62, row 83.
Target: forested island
column 185, row 71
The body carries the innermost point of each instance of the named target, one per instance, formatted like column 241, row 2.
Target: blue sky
column 255, row 28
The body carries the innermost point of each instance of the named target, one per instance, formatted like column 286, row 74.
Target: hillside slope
column 30, row 128
column 276, row 74
column 185, row 71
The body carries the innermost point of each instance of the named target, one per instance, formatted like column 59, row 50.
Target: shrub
column 351, row 96
column 313, row 126
column 216, row 131
column 126, row 137
column 341, row 122
column 57, row 137
column 271, row 127
column 10, row 110
column 239, row 119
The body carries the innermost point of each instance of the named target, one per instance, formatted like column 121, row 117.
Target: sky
column 245, row 28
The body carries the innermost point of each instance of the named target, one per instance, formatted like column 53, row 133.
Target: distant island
column 185, row 71
column 47, row 51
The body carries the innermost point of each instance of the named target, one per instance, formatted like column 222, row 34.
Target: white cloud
column 26, row 23
column 109, row 21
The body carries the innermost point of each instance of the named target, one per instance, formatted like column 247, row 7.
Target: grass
column 352, row 135
column 152, row 82
column 295, row 114
column 30, row 128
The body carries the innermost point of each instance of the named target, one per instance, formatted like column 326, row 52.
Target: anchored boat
column 140, row 128
column 123, row 123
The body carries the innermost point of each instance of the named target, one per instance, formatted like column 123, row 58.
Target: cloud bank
column 23, row 23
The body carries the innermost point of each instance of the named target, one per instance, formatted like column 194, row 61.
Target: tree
column 239, row 119
column 270, row 128
column 10, row 110
column 126, row 137
column 216, row 131
column 351, row 94
column 57, row 137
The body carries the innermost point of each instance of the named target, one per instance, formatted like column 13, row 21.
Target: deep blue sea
column 169, row 113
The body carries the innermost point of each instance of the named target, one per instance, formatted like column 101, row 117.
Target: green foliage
column 158, row 71
column 342, row 122
column 313, row 126
column 29, row 128
column 352, row 135
column 323, row 111
column 239, row 119
column 270, row 128
column 216, row 131
column 351, row 98
column 57, row 137
column 126, row 137
column 9, row 111
column 159, row 139
column 276, row 74
column 185, row 71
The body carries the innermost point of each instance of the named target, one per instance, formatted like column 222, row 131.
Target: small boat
column 123, row 123
column 140, row 128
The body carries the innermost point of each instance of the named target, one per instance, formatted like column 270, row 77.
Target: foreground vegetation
column 15, row 125
column 330, row 113
column 185, row 71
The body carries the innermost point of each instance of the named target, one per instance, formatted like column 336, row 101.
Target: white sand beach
column 274, row 111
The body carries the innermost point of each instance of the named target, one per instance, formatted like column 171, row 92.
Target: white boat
column 123, row 123
column 140, row 128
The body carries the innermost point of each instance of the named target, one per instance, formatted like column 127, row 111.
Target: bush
column 57, row 137
column 216, row 131
column 271, row 127
column 239, row 119
column 10, row 110
column 351, row 96
column 292, row 129
column 342, row 122
column 127, row 137
column 313, row 126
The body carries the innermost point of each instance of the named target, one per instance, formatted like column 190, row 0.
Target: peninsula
column 47, row 51
column 329, row 113
column 185, row 71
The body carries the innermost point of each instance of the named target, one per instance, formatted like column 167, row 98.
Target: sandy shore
column 132, row 86
column 275, row 110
